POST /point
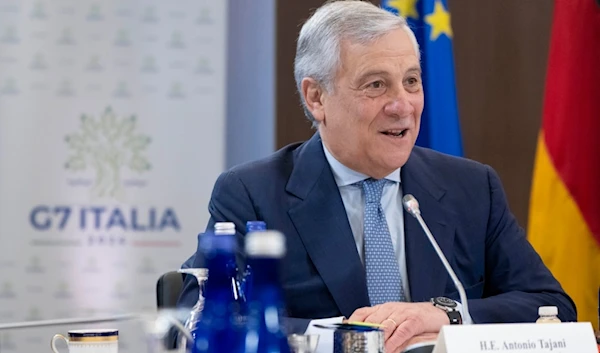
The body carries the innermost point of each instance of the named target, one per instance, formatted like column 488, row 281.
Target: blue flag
column 430, row 20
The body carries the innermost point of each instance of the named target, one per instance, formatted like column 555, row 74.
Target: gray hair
column 318, row 48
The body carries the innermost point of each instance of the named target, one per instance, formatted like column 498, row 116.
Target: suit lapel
column 321, row 221
column 426, row 274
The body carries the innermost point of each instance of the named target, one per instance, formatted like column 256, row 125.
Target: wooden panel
column 501, row 49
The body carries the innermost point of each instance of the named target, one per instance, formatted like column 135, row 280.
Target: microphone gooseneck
column 411, row 205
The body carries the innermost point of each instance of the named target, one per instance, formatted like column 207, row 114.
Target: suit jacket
column 462, row 201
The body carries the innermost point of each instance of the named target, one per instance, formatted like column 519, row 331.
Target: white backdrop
column 111, row 136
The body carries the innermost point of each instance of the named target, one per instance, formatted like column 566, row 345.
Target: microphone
column 411, row 205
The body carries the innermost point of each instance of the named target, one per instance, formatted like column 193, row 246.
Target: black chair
column 168, row 289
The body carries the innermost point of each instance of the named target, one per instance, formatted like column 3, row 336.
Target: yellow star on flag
column 406, row 8
column 439, row 20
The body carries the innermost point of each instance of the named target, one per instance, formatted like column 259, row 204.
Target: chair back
column 168, row 289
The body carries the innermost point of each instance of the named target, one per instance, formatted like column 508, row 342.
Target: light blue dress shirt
column 391, row 201
column 354, row 202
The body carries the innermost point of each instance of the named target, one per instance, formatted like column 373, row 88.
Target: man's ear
column 314, row 96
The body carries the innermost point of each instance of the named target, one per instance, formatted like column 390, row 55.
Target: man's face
column 371, row 120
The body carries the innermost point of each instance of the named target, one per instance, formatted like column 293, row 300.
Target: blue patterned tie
column 384, row 283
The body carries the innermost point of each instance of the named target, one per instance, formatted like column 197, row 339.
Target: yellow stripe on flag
column 559, row 233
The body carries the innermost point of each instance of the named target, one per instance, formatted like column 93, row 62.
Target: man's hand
column 402, row 321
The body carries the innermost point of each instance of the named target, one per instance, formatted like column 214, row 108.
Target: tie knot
column 373, row 189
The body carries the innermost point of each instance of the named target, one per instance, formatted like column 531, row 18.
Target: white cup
column 89, row 341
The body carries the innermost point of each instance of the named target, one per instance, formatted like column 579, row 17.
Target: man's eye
column 376, row 84
column 412, row 81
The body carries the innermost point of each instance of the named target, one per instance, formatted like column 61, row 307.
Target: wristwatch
column 450, row 307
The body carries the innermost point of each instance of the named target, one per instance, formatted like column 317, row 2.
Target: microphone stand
column 412, row 206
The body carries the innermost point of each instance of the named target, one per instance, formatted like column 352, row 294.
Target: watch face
column 445, row 302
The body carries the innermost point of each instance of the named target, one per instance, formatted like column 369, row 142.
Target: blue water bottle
column 246, row 277
column 228, row 229
column 264, row 334
column 219, row 329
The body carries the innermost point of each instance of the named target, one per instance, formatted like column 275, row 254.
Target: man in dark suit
column 352, row 250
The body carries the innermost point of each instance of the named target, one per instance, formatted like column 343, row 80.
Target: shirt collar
column 346, row 176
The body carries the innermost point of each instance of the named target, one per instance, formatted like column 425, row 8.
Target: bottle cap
column 267, row 243
column 252, row 226
column 224, row 228
column 548, row 311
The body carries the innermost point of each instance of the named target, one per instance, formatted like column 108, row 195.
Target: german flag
column 564, row 215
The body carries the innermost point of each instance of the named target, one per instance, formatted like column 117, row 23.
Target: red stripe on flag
column 571, row 122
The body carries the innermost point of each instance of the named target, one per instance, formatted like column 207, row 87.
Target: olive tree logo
column 107, row 145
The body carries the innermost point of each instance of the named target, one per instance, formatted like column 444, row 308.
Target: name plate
column 517, row 338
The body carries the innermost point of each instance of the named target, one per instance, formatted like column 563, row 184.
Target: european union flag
column 430, row 20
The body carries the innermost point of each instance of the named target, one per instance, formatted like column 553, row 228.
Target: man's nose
column 399, row 104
